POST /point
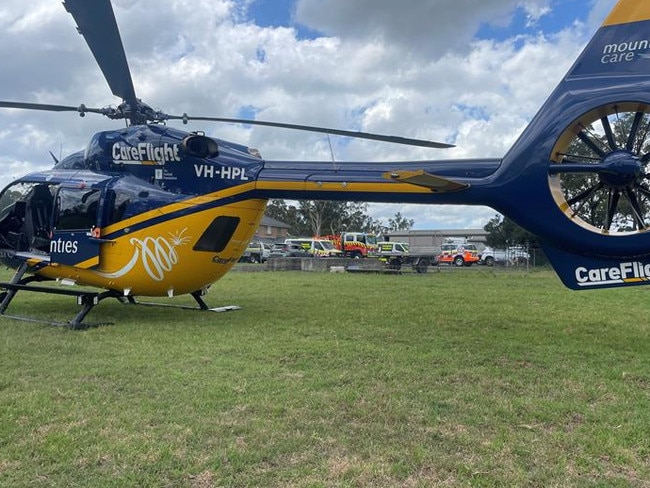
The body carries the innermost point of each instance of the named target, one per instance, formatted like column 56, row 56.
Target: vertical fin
column 621, row 46
column 614, row 67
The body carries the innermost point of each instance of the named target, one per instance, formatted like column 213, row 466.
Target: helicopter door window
column 119, row 201
column 77, row 208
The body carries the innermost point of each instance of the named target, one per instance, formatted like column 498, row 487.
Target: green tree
column 503, row 232
column 398, row 222
column 290, row 215
column 315, row 217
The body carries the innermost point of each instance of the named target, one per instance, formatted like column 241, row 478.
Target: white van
column 393, row 248
column 318, row 247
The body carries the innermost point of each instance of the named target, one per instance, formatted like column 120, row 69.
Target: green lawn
column 472, row 377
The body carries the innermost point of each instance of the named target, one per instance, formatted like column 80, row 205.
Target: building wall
column 271, row 233
column 271, row 230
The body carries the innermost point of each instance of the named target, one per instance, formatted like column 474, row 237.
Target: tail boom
column 433, row 182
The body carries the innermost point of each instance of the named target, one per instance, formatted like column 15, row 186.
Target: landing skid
column 197, row 295
column 86, row 299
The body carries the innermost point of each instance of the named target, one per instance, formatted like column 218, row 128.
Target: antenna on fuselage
column 329, row 143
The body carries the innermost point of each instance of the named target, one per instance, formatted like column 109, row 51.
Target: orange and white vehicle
column 356, row 244
column 458, row 253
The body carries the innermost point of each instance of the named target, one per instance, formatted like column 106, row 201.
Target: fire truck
column 357, row 244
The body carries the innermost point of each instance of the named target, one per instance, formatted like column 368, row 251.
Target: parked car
column 458, row 254
column 321, row 248
column 393, row 248
column 256, row 252
column 512, row 256
column 288, row 250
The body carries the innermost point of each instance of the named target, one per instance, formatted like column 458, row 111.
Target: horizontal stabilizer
column 427, row 180
column 582, row 272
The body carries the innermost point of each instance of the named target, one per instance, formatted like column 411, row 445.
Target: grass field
column 459, row 378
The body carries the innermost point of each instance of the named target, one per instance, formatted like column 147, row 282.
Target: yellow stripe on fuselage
column 153, row 253
column 296, row 186
column 341, row 187
column 627, row 11
column 89, row 263
column 177, row 206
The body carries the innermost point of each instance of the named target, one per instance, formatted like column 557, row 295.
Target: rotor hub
column 621, row 168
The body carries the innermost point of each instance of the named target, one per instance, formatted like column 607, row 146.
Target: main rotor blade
column 96, row 22
column 82, row 109
column 310, row 128
column 38, row 106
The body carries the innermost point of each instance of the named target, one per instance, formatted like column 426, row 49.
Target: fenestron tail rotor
column 599, row 175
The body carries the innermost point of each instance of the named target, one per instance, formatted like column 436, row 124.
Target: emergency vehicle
column 357, row 244
column 393, row 254
column 397, row 254
column 458, row 252
column 320, row 248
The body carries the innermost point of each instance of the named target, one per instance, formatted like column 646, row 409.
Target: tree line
column 316, row 217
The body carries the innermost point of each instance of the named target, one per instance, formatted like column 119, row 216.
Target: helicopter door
column 76, row 214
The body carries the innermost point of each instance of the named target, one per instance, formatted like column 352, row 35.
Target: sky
column 467, row 72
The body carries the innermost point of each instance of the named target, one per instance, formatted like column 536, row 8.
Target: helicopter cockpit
column 26, row 216
column 34, row 213
column 30, row 213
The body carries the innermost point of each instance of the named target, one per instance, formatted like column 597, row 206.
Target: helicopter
column 150, row 210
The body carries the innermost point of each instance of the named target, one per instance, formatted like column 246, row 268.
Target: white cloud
column 535, row 10
column 420, row 26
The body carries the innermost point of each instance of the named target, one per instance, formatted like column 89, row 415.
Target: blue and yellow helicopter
column 150, row 210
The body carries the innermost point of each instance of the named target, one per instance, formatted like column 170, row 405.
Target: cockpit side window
column 13, row 194
column 77, row 208
column 26, row 215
